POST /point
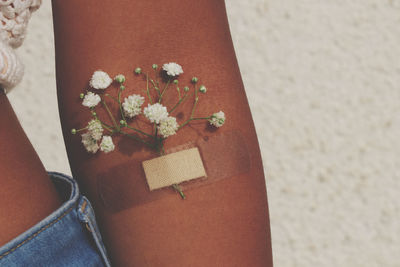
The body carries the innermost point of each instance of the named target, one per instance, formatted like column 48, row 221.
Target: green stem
column 179, row 190
column 179, row 92
column 147, row 88
column 179, row 102
column 164, row 90
column 116, row 100
column 196, row 99
column 108, row 128
column 192, row 119
column 139, row 131
column 155, row 87
column 111, row 115
column 160, row 141
column 120, row 105
column 102, row 122
column 137, row 139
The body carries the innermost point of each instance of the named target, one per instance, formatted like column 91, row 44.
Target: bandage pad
column 174, row 168
column 223, row 155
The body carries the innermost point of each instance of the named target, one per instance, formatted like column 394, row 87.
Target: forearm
column 27, row 194
column 117, row 37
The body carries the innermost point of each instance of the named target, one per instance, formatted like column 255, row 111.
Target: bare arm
column 223, row 223
column 27, row 194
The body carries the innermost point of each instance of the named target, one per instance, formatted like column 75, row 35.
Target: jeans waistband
column 75, row 211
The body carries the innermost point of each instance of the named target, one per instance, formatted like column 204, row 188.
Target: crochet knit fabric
column 14, row 17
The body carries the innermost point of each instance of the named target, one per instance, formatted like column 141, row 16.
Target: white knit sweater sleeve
column 14, row 18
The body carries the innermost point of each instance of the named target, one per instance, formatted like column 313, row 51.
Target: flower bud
column 138, row 70
column 94, row 113
column 122, row 87
column 202, row 89
column 120, row 78
column 82, row 95
column 186, row 88
column 175, row 81
column 73, row 131
column 122, row 122
column 195, row 80
column 155, row 66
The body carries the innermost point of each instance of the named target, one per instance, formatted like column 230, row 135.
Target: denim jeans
column 67, row 237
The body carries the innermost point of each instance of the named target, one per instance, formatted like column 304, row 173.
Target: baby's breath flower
column 138, row 70
column 89, row 143
column 172, row 69
column 91, row 100
column 100, row 80
column 217, row 119
column 95, row 129
column 195, row 80
column 156, row 112
column 132, row 105
column 107, row 144
column 168, row 127
column 119, row 78
column 202, row 89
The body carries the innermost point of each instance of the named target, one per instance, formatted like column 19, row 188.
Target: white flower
column 172, row 69
column 156, row 112
column 91, row 100
column 95, row 129
column 89, row 143
column 107, row 144
column 168, row 127
column 100, row 80
column 217, row 119
column 132, row 105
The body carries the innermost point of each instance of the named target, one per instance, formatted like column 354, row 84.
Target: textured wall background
column 322, row 78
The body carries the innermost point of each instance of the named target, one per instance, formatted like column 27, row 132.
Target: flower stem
column 79, row 130
column 164, row 90
column 179, row 102
column 137, row 139
column 192, row 119
column 116, row 100
column 179, row 190
column 155, row 87
column 139, row 131
column 105, row 125
column 196, row 99
column 179, row 92
column 111, row 115
column 147, row 88
column 120, row 105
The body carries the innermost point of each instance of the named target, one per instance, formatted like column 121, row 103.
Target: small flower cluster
column 93, row 135
column 156, row 113
column 131, row 107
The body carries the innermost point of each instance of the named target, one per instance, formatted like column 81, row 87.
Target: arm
column 224, row 223
column 27, row 194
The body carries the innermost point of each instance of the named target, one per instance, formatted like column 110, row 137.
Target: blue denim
column 67, row 237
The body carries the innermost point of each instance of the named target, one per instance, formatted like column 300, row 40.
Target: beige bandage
column 174, row 168
column 223, row 155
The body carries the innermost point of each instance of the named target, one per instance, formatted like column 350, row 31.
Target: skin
column 27, row 194
column 224, row 223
